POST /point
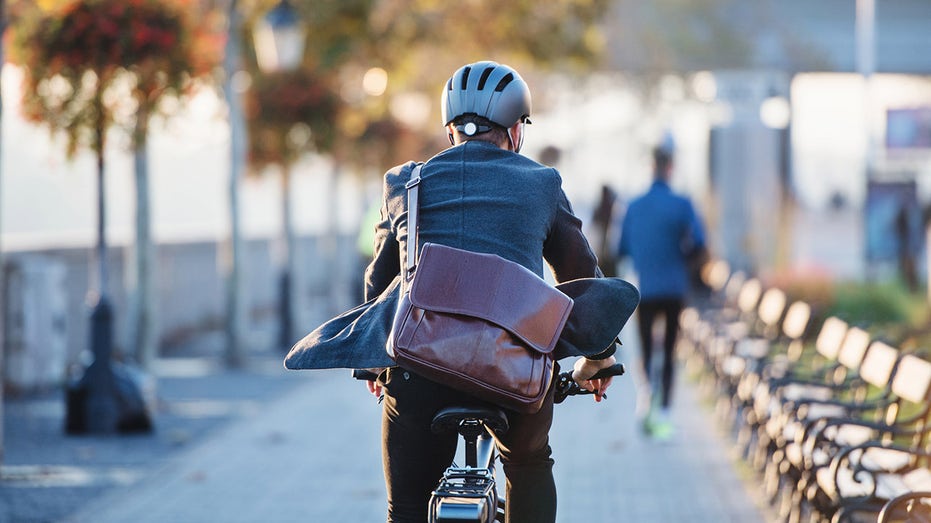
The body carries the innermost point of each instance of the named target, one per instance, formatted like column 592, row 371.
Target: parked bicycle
column 468, row 493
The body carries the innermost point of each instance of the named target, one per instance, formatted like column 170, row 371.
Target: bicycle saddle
column 451, row 417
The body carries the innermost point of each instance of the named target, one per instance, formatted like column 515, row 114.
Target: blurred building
column 811, row 106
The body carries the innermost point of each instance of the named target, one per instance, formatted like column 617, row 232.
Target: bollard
column 107, row 398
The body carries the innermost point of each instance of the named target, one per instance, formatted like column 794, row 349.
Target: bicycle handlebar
column 565, row 386
column 364, row 375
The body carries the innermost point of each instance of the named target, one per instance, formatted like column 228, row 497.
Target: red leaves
column 279, row 102
column 72, row 56
column 120, row 33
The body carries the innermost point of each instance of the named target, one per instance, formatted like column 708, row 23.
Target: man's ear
column 450, row 137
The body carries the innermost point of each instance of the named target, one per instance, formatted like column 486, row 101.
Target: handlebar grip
column 364, row 375
column 566, row 387
column 614, row 370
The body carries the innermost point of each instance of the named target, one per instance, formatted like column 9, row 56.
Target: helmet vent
column 465, row 78
column 484, row 78
column 504, row 82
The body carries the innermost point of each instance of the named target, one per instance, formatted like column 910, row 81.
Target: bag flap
column 489, row 287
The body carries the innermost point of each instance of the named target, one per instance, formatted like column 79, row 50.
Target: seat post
column 470, row 430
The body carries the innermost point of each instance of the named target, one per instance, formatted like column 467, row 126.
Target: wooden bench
column 707, row 332
column 761, row 362
column 802, row 457
column 720, row 330
column 788, row 380
column 755, row 343
column 698, row 320
column 873, row 457
column 797, row 404
column 750, row 342
column 838, row 427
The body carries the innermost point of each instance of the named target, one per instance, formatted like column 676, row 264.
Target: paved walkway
column 313, row 455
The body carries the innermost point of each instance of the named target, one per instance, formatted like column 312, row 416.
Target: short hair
column 488, row 131
column 662, row 158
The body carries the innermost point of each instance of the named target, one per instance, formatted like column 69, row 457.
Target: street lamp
column 279, row 48
column 775, row 112
column 279, row 39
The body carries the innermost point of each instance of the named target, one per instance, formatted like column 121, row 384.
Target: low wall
column 46, row 303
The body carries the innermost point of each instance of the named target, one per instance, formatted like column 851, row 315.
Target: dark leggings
column 647, row 313
column 415, row 458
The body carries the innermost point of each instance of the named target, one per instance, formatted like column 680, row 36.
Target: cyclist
column 479, row 195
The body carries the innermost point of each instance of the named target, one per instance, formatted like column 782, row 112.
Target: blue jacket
column 660, row 230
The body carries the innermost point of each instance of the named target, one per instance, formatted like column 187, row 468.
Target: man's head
column 662, row 162
column 663, row 157
column 486, row 101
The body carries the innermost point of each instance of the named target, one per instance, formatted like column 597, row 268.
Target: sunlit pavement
column 46, row 475
column 313, row 454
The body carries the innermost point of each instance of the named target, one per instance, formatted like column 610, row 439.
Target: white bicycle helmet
column 487, row 89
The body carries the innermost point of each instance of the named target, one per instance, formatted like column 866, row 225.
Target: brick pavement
column 313, row 455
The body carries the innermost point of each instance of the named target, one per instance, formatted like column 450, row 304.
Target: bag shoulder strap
column 413, row 193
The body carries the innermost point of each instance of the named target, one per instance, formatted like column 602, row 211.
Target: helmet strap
column 519, row 128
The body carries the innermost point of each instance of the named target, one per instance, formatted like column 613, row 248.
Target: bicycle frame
column 468, row 493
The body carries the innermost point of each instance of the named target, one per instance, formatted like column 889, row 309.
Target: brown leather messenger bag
column 476, row 322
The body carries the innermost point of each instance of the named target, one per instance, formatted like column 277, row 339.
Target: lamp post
column 107, row 398
column 776, row 114
column 2, row 325
column 279, row 47
column 279, row 39
column 234, row 83
column 865, row 31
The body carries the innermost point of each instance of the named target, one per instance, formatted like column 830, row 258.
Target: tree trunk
column 232, row 257
column 335, row 276
column 2, row 272
column 103, row 269
column 287, row 295
column 142, row 317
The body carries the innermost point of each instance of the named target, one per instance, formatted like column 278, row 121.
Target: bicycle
column 469, row 493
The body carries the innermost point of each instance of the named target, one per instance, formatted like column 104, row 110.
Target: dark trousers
column 647, row 313
column 415, row 458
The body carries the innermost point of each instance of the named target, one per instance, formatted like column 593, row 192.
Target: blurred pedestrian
column 661, row 233
column 603, row 231
column 907, row 251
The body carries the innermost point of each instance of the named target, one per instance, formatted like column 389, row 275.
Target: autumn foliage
column 291, row 113
column 90, row 63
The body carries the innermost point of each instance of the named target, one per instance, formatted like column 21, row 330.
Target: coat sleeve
column 385, row 264
column 386, row 261
column 696, row 232
column 566, row 248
